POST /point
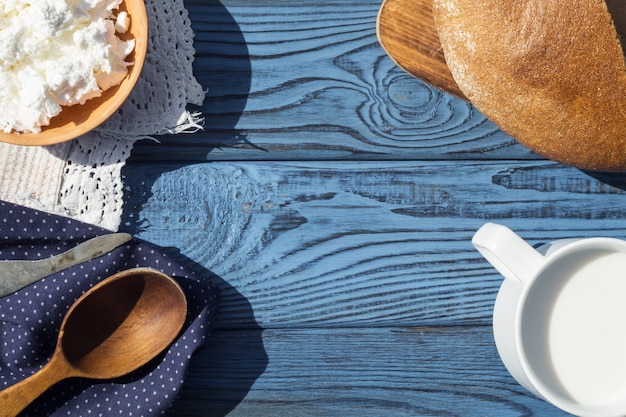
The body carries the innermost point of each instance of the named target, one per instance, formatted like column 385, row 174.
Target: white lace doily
column 81, row 179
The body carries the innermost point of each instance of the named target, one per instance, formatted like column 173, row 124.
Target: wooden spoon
column 114, row 328
column 406, row 30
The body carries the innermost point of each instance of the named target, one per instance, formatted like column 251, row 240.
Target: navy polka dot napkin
column 30, row 318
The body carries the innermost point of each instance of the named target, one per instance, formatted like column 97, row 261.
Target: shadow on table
column 220, row 374
column 616, row 180
column 222, row 66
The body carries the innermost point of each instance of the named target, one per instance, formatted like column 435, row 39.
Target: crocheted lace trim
column 81, row 179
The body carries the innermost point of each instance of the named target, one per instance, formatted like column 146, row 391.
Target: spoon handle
column 17, row 397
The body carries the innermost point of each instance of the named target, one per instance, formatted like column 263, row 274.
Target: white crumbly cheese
column 122, row 22
column 57, row 53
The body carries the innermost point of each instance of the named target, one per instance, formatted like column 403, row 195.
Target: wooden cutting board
column 406, row 30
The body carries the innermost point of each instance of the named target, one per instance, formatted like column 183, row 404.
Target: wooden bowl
column 79, row 119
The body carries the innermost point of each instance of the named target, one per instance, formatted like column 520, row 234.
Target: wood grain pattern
column 333, row 198
column 362, row 243
column 419, row 371
column 406, row 30
column 317, row 85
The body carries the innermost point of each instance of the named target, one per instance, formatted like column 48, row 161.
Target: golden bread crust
column 550, row 74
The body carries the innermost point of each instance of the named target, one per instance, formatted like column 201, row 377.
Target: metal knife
column 17, row 274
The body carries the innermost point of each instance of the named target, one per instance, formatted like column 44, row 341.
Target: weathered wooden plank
column 305, row 80
column 359, row 244
column 327, row 265
column 453, row 371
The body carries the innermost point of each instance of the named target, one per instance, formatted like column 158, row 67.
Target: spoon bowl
column 116, row 327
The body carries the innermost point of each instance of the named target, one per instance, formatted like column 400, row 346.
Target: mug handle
column 510, row 254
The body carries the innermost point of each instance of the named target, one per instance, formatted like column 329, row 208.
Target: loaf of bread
column 549, row 73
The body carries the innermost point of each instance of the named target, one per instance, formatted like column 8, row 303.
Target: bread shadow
column 618, row 12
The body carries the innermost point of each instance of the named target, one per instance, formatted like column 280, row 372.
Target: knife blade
column 17, row 274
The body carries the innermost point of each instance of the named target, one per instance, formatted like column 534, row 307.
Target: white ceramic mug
column 559, row 320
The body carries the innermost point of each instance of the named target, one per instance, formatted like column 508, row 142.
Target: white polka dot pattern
column 31, row 317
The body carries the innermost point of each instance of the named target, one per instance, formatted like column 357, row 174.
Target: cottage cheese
column 57, row 53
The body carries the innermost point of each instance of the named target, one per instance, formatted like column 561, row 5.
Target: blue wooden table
column 333, row 198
